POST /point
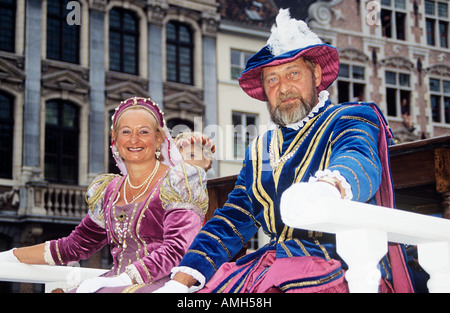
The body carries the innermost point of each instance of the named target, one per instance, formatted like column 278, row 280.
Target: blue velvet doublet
column 338, row 137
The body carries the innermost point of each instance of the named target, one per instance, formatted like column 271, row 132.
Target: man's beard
column 292, row 113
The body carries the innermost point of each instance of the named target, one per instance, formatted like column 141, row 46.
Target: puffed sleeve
column 95, row 195
column 355, row 151
column 89, row 236
column 184, row 198
column 184, row 187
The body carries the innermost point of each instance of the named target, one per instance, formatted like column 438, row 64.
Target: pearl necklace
column 150, row 179
column 274, row 163
column 140, row 186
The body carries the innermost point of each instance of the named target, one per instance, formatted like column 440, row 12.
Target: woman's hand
column 94, row 284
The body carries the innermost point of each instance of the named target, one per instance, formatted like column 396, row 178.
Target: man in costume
column 313, row 149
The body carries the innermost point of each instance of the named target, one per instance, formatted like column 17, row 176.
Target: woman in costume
column 149, row 215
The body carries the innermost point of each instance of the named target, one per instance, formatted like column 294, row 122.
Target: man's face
column 291, row 90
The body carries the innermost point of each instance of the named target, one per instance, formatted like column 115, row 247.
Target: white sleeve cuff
column 338, row 176
column 134, row 274
column 194, row 273
column 47, row 254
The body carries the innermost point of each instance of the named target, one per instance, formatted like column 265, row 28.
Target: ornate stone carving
column 353, row 54
column 321, row 12
column 439, row 69
column 398, row 62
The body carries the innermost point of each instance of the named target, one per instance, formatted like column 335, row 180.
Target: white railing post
column 362, row 250
column 435, row 259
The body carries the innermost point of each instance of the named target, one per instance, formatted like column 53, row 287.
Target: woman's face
column 136, row 137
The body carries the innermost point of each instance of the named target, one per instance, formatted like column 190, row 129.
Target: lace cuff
column 133, row 272
column 194, row 273
column 347, row 189
column 48, row 254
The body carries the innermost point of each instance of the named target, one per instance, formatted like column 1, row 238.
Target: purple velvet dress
column 146, row 239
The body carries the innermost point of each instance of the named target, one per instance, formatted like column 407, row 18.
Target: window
column 238, row 61
column 351, row 83
column 61, row 142
column 398, row 91
column 6, row 134
column 393, row 19
column 63, row 40
column 179, row 53
column 437, row 19
column 244, row 132
column 7, row 25
column 123, row 41
column 440, row 100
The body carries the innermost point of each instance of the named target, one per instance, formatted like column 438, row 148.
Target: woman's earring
column 116, row 152
column 158, row 153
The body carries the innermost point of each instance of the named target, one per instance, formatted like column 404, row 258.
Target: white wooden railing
column 362, row 235
column 363, row 232
column 52, row 276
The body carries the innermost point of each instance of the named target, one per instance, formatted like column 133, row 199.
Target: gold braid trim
column 103, row 181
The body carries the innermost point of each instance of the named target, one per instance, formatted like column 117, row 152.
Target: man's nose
column 285, row 85
column 134, row 137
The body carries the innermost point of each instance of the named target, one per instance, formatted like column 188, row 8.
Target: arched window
column 61, row 142
column 63, row 40
column 7, row 25
column 6, row 134
column 123, row 41
column 179, row 53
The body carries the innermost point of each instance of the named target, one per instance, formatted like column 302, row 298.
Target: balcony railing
column 54, row 201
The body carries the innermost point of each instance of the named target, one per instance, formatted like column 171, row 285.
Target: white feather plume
column 290, row 34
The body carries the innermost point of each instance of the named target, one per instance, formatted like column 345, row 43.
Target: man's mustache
column 291, row 95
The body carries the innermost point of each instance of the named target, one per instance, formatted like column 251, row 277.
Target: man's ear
column 318, row 75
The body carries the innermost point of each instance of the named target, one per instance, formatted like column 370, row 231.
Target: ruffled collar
column 323, row 97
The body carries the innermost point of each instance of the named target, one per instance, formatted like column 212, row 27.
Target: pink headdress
column 171, row 155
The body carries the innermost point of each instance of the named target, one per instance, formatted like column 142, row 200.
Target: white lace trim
column 337, row 175
column 323, row 97
column 133, row 272
column 194, row 273
column 47, row 254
